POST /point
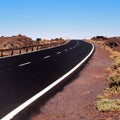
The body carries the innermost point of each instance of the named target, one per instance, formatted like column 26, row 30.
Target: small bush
column 109, row 69
column 118, row 70
column 105, row 96
column 114, row 79
column 105, row 105
column 116, row 64
column 114, row 89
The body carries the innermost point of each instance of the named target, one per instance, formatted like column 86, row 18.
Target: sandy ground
column 77, row 100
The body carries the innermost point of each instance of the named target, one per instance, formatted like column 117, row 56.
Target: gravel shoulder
column 77, row 100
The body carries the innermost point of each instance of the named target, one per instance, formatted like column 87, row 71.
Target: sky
column 74, row 19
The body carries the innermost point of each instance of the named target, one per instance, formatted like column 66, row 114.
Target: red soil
column 77, row 100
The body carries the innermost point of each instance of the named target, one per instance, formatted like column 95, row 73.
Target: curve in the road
column 38, row 71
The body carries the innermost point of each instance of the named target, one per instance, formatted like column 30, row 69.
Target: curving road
column 23, row 76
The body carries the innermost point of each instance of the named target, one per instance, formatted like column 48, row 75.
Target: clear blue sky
column 60, row 18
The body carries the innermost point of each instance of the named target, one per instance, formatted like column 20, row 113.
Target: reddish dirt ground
column 77, row 100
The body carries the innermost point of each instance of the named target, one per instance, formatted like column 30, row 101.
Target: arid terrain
column 112, row 42
column 78, row 100
column 15, row 42
column 92, row 94
column 20, row 44
column 20, row 41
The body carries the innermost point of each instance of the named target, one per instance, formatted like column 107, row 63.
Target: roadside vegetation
column 110, row 100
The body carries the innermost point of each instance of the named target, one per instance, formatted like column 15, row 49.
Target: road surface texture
column 21, row 77
column 77, row 100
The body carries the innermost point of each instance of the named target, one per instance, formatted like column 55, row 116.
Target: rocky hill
column 113, row 42
column 15, row 42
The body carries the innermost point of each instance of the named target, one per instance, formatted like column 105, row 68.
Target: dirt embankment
column 112, row 42
column 77, row 100
column 15, row 42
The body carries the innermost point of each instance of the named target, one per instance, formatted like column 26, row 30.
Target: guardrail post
column 32, row 48
column 12, row 52
column 1, row 54
column 19, row 51
column 50, row 45
column 37, row 47
column 26, row 49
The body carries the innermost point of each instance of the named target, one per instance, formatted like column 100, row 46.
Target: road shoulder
column 77, row 99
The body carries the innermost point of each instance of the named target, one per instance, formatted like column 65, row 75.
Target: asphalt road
column 21, row 77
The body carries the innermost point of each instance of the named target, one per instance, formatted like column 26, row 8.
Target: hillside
column 112, row 42
column 15, row 42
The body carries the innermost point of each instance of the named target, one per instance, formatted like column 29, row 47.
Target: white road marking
column 13, row 113
column 46, row 57
column 59, row 53
column 71, row 48
column 66, row 49
column 76, row 45
column 24, row 64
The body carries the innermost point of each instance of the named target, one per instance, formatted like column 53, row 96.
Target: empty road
column 23, row 76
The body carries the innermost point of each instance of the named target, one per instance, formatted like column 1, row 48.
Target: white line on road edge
column 46, row 57
column 24, row 64
column 34, row 98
